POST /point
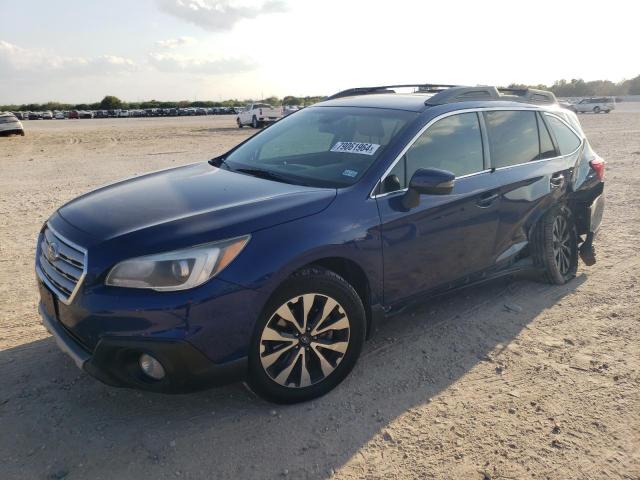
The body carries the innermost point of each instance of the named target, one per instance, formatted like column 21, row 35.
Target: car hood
column 193, row 200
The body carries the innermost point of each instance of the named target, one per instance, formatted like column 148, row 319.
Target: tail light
column 598, row 166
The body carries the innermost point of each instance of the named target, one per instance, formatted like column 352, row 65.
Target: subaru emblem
column 53, row 252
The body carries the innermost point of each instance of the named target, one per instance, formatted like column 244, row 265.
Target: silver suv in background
column 595, row 105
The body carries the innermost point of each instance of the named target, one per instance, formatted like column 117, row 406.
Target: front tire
column 596, row 110
column 555, row 246
column 254, row 122
column 308, row 338
column 239, row 123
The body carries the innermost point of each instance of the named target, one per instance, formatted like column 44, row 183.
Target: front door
column 445, row 237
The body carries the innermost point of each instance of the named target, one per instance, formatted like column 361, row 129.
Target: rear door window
column 568, row 141
column 547, row 149
column 513, row 137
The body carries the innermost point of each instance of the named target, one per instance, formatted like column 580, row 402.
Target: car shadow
column 58, row 422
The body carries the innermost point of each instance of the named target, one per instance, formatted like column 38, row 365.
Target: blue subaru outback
column 273, row 262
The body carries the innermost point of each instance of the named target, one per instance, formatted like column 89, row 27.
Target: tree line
column 111, row 102
column 575, row 87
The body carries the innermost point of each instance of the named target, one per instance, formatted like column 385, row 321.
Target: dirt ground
column 511, row 380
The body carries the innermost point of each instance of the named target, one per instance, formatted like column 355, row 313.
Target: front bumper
column 115, row 361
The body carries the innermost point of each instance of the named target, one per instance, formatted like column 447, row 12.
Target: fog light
column 151, row 367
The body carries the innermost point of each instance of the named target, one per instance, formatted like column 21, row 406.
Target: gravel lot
column 515, row 379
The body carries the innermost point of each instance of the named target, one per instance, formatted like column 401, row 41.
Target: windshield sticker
column 355, row 147
column 350, row 173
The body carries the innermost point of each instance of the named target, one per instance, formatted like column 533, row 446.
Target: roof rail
column 461, row 94
column 532, row 95
column 457, row 93
column 421, row 87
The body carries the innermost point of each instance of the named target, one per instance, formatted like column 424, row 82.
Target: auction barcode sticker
column 355, row 147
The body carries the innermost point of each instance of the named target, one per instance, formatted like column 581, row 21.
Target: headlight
column 177, row 270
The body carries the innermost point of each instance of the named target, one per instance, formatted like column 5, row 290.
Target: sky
column 81, row 50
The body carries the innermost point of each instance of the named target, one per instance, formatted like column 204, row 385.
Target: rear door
column 445, row 237
column 531, row 171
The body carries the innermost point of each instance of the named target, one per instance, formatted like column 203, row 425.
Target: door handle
column 487, row 199
column 557, row 180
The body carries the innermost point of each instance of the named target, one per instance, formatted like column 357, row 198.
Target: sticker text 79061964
column 355, row 147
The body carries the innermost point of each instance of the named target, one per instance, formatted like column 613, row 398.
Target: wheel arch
column 538, row 216
column 355, row 275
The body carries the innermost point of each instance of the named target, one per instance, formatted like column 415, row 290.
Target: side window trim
column 553, row 139
column 486, row 151
column 375, row 192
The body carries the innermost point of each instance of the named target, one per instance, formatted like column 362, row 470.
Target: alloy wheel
column 562, row 251
column 305, row 340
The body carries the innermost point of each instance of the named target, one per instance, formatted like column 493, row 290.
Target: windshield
column 320, row 146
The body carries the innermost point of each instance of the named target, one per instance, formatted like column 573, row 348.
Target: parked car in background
column 289, row 109
column 595, row 105
column 10, row 124
column 74, row 114
column 35, row 115
column 258, row 115
column 85, row 114
column 47, row 115
column 568, row 105
column 282, row 254
column 59, row 115
column 18, row 115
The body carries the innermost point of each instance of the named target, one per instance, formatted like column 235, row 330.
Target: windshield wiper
column 266, row 174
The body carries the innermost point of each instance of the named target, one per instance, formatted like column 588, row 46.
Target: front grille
column 60, row 263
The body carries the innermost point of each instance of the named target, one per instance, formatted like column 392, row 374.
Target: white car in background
column 59, row 115
column 10, row 125
column 47, row 115
column 258, row 114
column 289, row 109
column 595, row 105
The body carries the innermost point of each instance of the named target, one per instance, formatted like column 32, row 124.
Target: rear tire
column 316, row 320
column 254, row 122
column 555, row 246
column 239, row 123
column 596, row 109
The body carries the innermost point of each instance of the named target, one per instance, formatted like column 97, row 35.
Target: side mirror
column 428, row 181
